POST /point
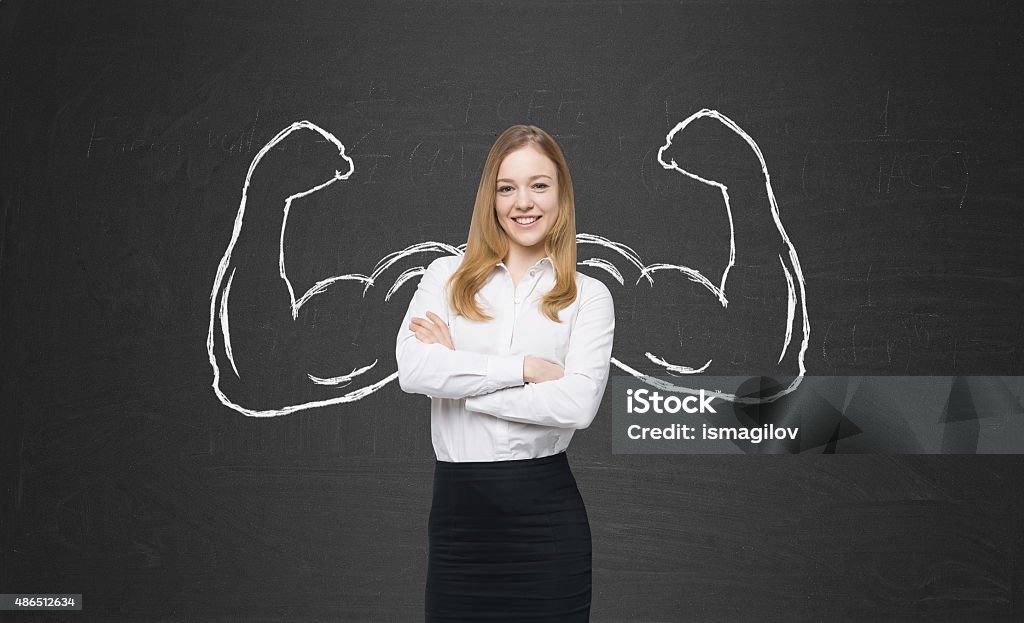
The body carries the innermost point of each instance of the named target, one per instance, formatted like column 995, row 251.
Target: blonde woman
column 513, row 347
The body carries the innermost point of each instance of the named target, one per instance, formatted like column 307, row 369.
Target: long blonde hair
column 488, row 243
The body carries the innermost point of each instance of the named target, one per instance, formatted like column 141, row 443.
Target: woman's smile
column 526, row 223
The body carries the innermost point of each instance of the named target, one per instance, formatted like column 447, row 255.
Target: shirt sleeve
column 573, row 400
column 434, row 369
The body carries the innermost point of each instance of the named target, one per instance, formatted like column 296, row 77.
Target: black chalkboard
column 285, row 487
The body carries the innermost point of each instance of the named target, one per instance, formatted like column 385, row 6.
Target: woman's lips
column 529, row 225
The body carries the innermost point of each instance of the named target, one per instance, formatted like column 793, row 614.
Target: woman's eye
column 540, row 185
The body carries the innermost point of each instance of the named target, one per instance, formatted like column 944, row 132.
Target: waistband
column 501, row 466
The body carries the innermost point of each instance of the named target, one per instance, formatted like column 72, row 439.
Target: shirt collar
column 544, row 263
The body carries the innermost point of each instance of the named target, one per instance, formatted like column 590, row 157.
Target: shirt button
column 532, row 271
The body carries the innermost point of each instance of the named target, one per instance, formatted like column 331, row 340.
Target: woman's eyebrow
column 532, row 177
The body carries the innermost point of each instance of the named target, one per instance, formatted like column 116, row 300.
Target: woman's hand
column 432, row 331
column 537, row 370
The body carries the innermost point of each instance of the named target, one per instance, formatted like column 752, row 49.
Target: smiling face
column 527, row 186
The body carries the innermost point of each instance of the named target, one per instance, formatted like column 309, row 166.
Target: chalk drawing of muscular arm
column 262, row 257
column 256, row 254
column 753, row 216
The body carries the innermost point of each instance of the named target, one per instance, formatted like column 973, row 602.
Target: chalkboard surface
column 173, row 457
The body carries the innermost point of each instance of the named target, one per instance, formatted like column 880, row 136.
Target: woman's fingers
column 441, row 331
column 432, row 331
column 436, row 319
column 425, row 331
column 438, row 322
column 424, row 324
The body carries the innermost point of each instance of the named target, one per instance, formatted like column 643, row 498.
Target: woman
column 513, row 347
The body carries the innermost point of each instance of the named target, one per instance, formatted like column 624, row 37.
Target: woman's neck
column 519, row 262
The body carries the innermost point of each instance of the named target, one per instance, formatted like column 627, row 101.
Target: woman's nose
column 523, row 200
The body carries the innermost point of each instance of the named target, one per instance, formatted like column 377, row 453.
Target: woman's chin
column 530, row 243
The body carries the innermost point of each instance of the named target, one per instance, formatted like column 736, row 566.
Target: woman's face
column 527, row 186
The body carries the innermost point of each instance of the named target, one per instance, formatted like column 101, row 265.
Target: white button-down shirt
column 480, row 408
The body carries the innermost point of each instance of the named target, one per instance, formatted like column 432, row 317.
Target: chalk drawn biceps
column 627, row 264
column 716, row 284
column 336, row 166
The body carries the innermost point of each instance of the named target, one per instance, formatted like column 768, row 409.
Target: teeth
column 525, row 221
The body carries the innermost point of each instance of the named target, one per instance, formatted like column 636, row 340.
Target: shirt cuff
column 505, row 370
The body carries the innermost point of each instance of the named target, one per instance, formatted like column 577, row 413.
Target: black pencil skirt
column 509, row 541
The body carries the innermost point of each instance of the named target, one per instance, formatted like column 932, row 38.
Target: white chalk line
column 606, row 266
column 225, row 332
column 790, row 309
column 344, row 379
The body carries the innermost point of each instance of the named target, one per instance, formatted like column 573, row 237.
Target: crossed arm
column 514, row 387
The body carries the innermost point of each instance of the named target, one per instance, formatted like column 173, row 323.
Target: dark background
column 893, row 137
